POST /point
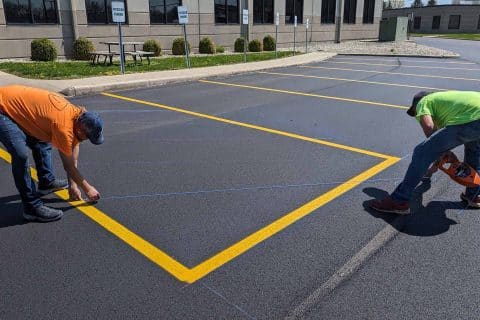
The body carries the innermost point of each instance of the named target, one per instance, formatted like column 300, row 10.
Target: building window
column 293, row 8
column 478, row 25
column 349, row 11
column 100, row 11
column 368, row 11
column 436, row 23
column 454, row 22
column 417, row 22
column 31, row 11
column 164, row 11
column 227, row 11
column 263, row 11
column 328, row 11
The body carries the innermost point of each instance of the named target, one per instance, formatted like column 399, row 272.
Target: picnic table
column 109, row 54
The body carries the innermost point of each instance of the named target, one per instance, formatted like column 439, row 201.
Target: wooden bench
column 106, row 54
column 140, row 54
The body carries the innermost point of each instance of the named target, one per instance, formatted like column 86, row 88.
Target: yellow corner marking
column 386, row 72
column 403, row 66
column 350, row 80
column 251, row 126
column 298, row 93
column 410, row 60
column 177, row 269
column 255, row 238
column 151, row 252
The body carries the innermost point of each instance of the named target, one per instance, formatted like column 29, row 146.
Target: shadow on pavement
column 424, row 221
column 11, row 209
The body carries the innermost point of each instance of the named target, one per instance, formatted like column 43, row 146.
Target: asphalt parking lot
column 238, row 197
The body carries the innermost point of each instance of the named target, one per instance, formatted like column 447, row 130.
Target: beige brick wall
column 15, row 39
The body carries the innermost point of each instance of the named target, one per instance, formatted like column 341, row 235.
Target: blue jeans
column 16, row 143
column 431, row 149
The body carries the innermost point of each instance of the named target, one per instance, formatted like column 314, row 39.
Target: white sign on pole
column 308, row 23
column 295, row 24
column 277, row 19
column 245, row 16
column 182, row 15
column 118, row 11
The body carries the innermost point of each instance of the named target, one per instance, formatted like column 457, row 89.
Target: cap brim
column 97, row 140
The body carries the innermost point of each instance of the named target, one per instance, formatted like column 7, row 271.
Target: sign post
column 245, row 22
column 295, row 35
column 183, row 20
column 277, row 22
column 118, row 16
column 306, row 36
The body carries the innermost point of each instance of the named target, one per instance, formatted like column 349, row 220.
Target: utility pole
column 338, row 20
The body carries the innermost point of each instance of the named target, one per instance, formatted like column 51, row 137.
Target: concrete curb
column 132, row 81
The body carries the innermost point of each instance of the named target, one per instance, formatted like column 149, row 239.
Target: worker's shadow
column 425, row 221
column 11, row 210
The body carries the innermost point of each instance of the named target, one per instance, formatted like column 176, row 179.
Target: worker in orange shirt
column 37, row 119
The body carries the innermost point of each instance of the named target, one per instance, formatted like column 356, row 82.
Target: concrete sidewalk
column 84, row 86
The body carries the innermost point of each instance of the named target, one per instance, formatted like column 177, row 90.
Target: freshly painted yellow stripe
column 298, row 93
column 252, row 240
column 403, row 66
column 409, row 60
column 251, row 126
column 350, row 80
column 386, row 72
column 154, row 254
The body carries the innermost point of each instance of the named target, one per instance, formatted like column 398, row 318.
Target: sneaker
column 43, row 214
column 388, row 205
column 54, row 186
column 471, row 203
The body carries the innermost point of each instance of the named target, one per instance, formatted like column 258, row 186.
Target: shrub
column 152, row 46
column 206, row 45
column 239, row 43
column 43, row 50
column 178, row 47
column 269, row 43
column 82, row 47
column 255, row 46
column 220, row 49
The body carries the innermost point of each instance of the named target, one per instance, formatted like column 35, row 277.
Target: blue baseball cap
column 92, row 125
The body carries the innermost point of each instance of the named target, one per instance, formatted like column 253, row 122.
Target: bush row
column 45, row 50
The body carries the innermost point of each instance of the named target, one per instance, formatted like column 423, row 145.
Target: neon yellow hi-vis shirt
column 449, row 108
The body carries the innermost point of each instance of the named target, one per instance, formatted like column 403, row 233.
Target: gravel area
column 372, row 47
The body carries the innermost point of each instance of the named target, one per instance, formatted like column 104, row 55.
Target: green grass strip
column 83, row 69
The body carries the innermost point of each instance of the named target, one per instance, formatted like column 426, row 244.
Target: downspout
column 199, row 15
column 73, row 11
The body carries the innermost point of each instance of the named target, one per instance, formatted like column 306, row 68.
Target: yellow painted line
column 255, row 238
column 403, row 66
column 350, row 80
column 386, row 72
column 151, row 252
column 251, row 126
column 298, row 93
column 177, row 269
column 409, row 60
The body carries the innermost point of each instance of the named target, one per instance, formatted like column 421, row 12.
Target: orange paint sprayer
column 460, row 172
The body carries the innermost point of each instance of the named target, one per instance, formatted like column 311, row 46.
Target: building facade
column 440, row 19
column 63, row 21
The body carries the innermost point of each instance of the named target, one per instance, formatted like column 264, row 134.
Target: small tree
column 239, row 44
column 206, row 45
column 417, row 4
column 178, row 47
column 268, row 43
column 255, row 46
column 432, row 3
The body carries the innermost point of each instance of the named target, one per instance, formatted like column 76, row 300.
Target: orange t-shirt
column 42, row 114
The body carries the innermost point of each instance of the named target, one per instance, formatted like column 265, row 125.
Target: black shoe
column 43, row 214
column 54, row 186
